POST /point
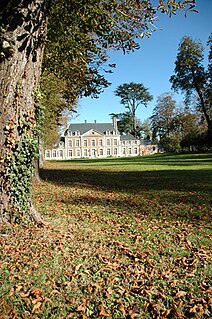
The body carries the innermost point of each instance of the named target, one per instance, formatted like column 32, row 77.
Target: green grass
column 126, row 238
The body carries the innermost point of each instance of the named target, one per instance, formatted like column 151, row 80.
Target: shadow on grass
column 180, row 185
column 174, row 193
column 135, row 181
column 182, row 160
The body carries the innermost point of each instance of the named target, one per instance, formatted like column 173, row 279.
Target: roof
column 128, row 137
column 147, row 142
column 85, row 127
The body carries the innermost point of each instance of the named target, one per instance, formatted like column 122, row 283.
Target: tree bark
column 206, row 112
column 207, row 116
column 21, row 53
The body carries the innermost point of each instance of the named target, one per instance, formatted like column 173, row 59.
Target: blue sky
column 152, row 65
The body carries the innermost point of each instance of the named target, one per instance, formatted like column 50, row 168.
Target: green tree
column 52, row 99
column 162, row 119
column 146, row 132
column 191, row 76
column 176, row 126
column 80, row 32
column 132, row 96
column 125, row 124
column 189, row 127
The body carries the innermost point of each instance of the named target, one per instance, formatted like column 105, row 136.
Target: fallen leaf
column 197, row 309
column 81, row 308
column 122, row 308
column 55, row 292
column 103, row 312
column 36, row 307
column 109, row 290
column 181, row 294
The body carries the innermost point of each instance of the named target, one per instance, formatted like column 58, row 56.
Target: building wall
column 93, row 144
column 148, row 149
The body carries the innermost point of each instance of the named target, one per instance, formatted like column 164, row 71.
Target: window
column 108, row 152
column 115, row 141
column 115, row 151
column 101, row 152
column 78, row 153
column 85, row 143
column 70, row 153
column 130, row 151
column 108, row 142
column 135, row 150
column 77, row 143
column 47, row 153
column 100, row 142
column 93, row 153
column 54, row 154
column 77, row 133
column 70, row 143
column 93, row 143
column 61, row 153
column 124, row 151
column 85, row 152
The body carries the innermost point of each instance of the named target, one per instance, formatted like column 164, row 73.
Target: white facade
column 93, row 140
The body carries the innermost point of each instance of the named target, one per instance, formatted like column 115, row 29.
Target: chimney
column 115, row 123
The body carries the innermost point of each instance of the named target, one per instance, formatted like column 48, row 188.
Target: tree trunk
column 21, row 54
column 206, row 112
column 207, row 116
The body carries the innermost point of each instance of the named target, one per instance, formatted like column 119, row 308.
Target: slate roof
column 147, row 142
column 85, row 127
column 127, row 137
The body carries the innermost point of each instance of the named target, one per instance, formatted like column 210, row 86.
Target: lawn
column 124, row 238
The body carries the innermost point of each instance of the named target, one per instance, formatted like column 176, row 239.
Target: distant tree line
column 178, row 128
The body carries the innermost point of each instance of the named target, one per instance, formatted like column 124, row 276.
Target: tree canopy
column 177, row 126
column 80, row 33
column 192, row 77
column 162, row 118
column 132, row 95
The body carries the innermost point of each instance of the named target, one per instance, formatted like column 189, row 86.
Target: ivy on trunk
column 23, row 29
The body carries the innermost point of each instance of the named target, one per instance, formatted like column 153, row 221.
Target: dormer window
column 77, row 133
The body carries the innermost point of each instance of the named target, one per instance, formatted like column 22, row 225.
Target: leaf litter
column 107, row 254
